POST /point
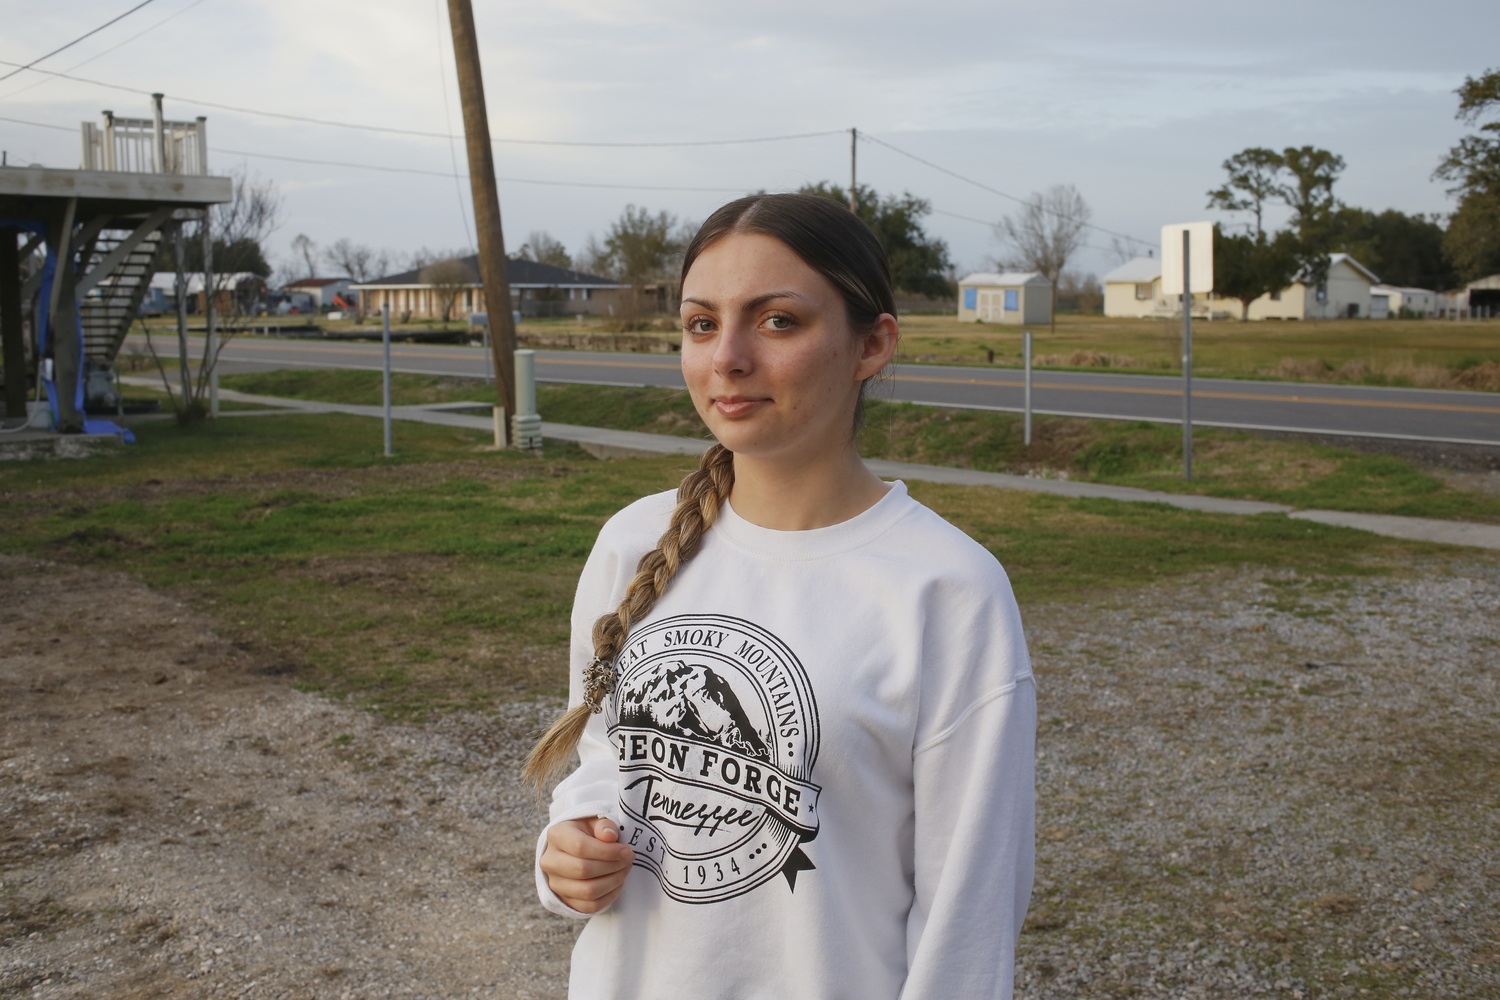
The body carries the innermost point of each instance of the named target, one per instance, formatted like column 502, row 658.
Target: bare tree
column 304, row 247
column 1046, row 232
column 448, row 279
column 357, row 261
column 593, row 259
column 543, row 248
column 415, row 260
column 238, row 230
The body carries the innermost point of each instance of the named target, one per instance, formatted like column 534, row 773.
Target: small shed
column 1009, row 297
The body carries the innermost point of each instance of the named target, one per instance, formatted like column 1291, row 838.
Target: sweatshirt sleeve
column 974, row 802
column 593, row 789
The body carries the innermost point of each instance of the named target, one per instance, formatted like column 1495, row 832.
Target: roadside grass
column 1226, row 463
column 443, row 578
column 1439, row 353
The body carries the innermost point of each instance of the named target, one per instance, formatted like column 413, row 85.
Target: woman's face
column 767, row 352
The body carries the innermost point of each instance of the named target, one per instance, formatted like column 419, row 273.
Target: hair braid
column 699, row 499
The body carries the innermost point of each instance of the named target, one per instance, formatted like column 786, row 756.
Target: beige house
column 1134, row 290
column 535, row 290
column 1011, row 297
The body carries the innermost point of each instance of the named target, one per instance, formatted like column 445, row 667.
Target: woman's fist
column 585, row 863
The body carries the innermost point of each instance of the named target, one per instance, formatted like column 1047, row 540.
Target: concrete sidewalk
column 603, row 443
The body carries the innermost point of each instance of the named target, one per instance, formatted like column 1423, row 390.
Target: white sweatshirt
column 820, row 748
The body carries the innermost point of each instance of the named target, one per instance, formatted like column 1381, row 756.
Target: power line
column 463, row 210
column 22, row 121
column 448, row 176
column 107, row 51
column 75, row 41
column 418, row 133
column 985, row 187
column 982, row 222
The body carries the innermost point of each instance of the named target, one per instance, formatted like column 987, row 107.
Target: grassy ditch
column 1226, row 463
column 443, row 578
column 1405, row 352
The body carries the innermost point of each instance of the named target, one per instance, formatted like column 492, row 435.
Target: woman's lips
column 736, row 406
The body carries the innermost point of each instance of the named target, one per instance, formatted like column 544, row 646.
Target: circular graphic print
column 716, row 731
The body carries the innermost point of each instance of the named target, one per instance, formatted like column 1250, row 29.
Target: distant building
column 1010, row 297
column 1134, row 290
column 1482, row 297
column 320, row 292
column 1393, row 300
column 161, row 294
column 535, row 290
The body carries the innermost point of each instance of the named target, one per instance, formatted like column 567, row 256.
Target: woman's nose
column 734, row 352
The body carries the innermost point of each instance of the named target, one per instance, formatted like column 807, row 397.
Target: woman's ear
column 878, row 347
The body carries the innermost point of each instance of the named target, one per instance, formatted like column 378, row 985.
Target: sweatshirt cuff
column 583, row 810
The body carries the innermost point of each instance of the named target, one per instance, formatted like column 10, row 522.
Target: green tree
column 639, row 246
column 1248, row 266
column 1473, row 166
column 919, row 263
column 1402, row 249
column 1310, row 197
column 1254, row 180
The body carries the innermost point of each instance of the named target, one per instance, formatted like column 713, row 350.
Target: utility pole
column 492, row 263
column 853, row 186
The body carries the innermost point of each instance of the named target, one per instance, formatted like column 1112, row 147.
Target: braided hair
column 832, row 241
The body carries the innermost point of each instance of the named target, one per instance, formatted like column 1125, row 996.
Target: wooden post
column 492, row 262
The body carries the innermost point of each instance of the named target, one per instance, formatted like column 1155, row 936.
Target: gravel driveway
column 1250, row 784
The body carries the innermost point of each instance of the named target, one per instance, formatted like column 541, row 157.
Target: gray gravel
column 1270, row 785
column 1249, row 785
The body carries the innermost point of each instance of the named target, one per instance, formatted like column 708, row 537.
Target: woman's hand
column 585, row 864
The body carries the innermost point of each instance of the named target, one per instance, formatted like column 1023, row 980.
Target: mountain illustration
column 691, row 700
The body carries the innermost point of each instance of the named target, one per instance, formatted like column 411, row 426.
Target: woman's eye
column 779, row 322
column 700, row 324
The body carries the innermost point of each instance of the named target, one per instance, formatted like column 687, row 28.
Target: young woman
column 806, row 710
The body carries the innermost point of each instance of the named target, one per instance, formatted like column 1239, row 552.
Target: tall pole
column 1187, row 360
column 184, row 366
column 853, row 182
column 1026, row 350
column 210, row 317
column 492, row 263
column 385, row 340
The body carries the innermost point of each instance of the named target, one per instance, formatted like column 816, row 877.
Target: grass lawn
column 1440, row 353
column 1226, row 463
column 443, row 578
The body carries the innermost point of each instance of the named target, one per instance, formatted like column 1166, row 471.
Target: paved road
column 1419, row 414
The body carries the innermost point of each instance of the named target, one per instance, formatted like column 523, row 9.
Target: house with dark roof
column 535, row 290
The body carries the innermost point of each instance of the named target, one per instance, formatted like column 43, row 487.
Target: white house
column 1012, row 297
column 1393, row 300
column 322, row 291
column 1134, row 290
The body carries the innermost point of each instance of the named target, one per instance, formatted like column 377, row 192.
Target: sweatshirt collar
column 816, row 543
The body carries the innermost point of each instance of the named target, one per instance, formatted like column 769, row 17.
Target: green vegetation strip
column 443, row 578
column 1233, row 464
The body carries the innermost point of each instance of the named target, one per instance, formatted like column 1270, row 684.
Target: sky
column 1135, row 104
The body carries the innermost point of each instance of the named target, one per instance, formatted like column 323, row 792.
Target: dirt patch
column 175, row 821
column 1249, row 784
